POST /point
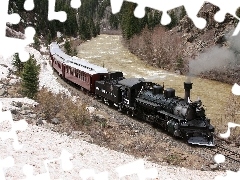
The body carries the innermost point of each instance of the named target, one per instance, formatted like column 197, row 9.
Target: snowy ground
column 41, row 144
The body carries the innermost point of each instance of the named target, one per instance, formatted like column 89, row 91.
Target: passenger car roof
column 75, row 62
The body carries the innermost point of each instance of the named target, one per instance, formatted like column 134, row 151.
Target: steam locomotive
column 180, row 117
column 153, row 103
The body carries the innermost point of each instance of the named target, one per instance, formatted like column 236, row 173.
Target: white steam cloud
column 216, row 58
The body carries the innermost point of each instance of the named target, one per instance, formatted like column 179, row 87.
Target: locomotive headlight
column 176, row 125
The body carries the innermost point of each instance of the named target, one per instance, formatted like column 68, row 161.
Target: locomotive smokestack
column 187, row 87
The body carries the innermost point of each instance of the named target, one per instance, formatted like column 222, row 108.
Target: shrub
column 67, row 47
column 159, row 48
column 62, row 107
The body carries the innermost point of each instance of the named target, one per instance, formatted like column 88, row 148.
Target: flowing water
column 108, row 51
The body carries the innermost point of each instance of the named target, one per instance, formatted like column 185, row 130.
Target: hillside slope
column 210, row 53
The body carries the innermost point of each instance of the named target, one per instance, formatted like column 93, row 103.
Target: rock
column 17, row 104
column 39, row 122
column 25, row 107
column 204, row 168
column 14, row 111
column 81, row 135
column 24, row 112
column 90, row 109
column 214, row 167
column 44, row 121
column 55, row 121
column 178, row 72
column 3, row 92
column 33, row 116
column 13, row 81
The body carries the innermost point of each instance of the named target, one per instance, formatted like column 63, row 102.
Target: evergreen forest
column 85, row 21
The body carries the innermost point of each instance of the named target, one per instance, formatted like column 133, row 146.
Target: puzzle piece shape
column 9, row 46
column 88, row 173
column 236, row 89
column 137, row 167
column 230, row 125
column 66, row 165
column 219, row 158
column 29, row 5
column 13, row 45
column 20, row 125
column 229, row 176
column 61, row 15
column 5, row 163
column 227, row 7
column 192, row 8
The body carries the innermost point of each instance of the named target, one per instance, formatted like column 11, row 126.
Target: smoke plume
column 214, row 58
column 217, row 58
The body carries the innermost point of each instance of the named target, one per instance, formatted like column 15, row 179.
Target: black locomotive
column 137, row 97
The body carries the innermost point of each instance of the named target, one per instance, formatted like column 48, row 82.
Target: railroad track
column 221, row 148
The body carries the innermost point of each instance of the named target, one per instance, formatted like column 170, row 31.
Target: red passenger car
column 76, row 70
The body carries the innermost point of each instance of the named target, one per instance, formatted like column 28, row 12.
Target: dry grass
column 231, row 113
column 62, row 107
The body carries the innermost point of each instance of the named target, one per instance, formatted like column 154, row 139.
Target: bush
column 67, row 47
column 159, row 48
column 62, row 107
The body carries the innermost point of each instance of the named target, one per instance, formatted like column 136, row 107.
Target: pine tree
column 114, row 21
column 182, row 13
column 17, row 63
column 98, row 29
column 174, row 20
column 157, row 18
column 67, row 47
column 36, row 44
column 30, row 78
column 150, row 21
column 238, row 12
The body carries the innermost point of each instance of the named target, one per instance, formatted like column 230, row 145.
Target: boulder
column 39, row 122
column 3, row 92
column 14, row 111
column 90, row 109
column 214, row 167
column 55, row 121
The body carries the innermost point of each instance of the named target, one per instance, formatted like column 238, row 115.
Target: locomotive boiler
column 179, row 117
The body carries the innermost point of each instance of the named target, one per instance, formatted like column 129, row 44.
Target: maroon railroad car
column 76, row 70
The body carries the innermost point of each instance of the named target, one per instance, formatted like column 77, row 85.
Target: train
column 137, row 97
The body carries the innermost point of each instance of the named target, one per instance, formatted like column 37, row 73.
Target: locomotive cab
column 195, row 111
